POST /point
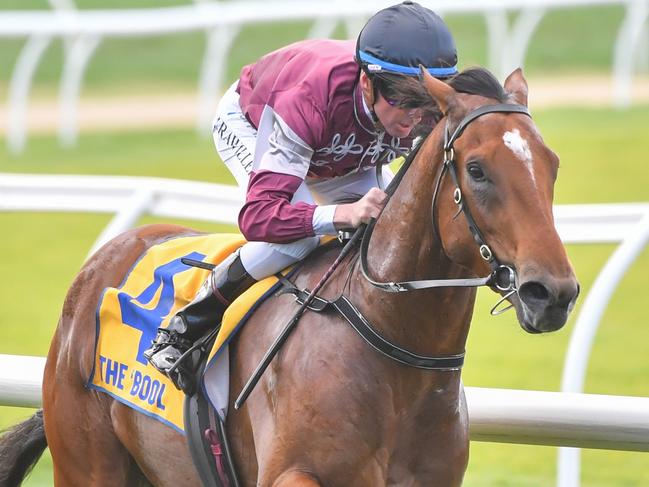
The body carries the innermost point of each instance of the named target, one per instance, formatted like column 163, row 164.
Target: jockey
column 306, row 129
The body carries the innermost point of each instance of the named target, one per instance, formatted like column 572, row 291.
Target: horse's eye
column 475, row 171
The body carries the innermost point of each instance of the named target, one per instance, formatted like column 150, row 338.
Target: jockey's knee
column 263, row 259
column 299, row 249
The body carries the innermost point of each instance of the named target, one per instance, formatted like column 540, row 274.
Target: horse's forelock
column 479, row 81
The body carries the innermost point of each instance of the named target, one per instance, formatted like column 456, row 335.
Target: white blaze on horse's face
column 521, row 149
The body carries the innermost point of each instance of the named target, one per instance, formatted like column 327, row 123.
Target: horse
column 330, row 410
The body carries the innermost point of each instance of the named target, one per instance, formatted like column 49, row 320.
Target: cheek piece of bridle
column 502, row 276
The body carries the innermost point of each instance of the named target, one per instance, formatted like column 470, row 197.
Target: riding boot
column 225, row 283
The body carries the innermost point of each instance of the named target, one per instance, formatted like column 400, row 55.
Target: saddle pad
column 128, row 317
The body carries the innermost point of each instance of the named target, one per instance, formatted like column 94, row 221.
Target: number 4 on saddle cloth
column 128, row 317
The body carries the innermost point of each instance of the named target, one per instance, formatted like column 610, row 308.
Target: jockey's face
column 397, row 121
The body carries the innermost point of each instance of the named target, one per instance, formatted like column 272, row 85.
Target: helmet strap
column 369, row 95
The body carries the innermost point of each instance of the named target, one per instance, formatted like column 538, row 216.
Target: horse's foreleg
column 295, row 478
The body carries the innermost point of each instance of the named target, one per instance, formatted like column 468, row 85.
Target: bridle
column 502, row 276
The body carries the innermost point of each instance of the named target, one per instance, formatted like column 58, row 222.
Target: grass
column 574, row 40
column 602, row 152
column 178, row 154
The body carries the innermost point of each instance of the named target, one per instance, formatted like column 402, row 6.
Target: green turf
column 176, row 154
column 602, row 153
column 591, row 142
column 603, row 159
column 574, row 40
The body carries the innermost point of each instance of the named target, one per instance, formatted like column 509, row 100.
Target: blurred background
column 141, row 111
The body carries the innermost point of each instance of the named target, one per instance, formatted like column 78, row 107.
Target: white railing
column 127, row 197
column 24, row 388
column 583, row 334
column 83, row 30
column 567, row 418
column 499, row 415
column 173, row 198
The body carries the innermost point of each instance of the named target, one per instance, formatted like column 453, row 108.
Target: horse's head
column 506, row 175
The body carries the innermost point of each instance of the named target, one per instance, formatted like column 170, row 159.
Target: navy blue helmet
column 400, row 38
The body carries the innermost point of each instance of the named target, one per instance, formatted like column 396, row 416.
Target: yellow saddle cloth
column 128, row 317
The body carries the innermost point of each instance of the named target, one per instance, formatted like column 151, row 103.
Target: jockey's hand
column 351, row 215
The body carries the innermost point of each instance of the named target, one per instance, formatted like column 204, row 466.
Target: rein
column 503, row 277
column 292, row 323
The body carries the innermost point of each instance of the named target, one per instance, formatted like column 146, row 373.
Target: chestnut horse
column 330, row 410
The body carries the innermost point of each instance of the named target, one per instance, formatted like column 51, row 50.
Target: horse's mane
column 479, row 81
column 472, row 81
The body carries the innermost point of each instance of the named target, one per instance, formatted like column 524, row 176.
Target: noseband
column 502, row 276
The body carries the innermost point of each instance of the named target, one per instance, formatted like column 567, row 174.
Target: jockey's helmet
column 398, row 39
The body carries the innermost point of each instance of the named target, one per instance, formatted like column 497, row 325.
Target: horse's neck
column 404, row 246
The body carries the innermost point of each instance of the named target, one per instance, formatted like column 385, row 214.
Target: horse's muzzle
column 544, row 304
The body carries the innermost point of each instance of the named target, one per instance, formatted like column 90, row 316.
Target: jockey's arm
column 272, row 214
column 268, row 214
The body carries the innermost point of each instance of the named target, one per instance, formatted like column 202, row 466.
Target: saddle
column 158, row 285
column 205, row 429
column 128, row 317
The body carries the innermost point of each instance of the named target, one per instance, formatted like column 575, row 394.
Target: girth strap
column 199, row 417
column 364, row 328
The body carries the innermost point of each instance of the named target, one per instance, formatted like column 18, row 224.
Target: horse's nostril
column 534, row 292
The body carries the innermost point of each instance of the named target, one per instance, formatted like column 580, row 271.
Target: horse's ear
column 517, row 86
column 440, row 92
